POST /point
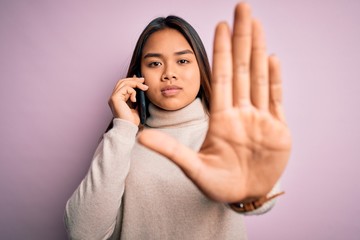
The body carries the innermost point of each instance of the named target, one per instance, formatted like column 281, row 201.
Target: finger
column 132, row 84
column 222, row 69
column 132, row 93
column 259, row 69
column 167, row 146
column 275, row 106
column 124, row 81
column 124, row 94
column 241, row 43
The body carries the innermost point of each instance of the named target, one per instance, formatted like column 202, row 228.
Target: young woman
column 229, row 142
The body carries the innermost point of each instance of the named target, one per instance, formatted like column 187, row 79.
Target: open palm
column 248, row 142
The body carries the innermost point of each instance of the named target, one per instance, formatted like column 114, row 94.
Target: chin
column 172, row 105
column 171, row 108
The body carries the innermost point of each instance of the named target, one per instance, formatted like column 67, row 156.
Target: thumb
column 184, row 157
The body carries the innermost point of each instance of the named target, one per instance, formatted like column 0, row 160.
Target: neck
column 191, row 114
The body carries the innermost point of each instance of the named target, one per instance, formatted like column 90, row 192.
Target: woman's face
column 170, row 70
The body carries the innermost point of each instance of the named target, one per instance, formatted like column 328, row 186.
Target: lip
column 171, row 90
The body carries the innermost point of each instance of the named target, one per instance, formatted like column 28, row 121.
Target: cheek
column 193, row 78
column 149, row 93
column 152, row 90
column 151, row 83
column 192, row 73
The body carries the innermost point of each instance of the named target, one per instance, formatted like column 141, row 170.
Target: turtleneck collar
column 192, row 114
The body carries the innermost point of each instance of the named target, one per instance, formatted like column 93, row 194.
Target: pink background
column 59, row 62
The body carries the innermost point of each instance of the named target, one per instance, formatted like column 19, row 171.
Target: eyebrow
column 186, row 51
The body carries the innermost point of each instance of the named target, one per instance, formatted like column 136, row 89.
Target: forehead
column 166, row 40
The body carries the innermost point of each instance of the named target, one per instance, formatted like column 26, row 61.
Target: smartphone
column 141, row 103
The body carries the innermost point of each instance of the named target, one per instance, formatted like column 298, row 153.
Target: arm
column 91, row 211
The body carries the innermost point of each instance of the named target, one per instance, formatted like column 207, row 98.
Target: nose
column 168, row 74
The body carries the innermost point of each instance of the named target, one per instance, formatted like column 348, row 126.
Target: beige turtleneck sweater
column 133, row 193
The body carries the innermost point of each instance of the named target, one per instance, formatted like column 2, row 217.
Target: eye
column 154, row 64
column 183, row 61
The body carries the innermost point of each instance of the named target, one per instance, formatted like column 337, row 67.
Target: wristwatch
column 241, row 207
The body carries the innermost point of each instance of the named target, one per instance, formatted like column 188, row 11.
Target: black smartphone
column 141, row 103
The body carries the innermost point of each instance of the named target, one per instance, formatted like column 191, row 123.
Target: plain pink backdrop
column 59, row 61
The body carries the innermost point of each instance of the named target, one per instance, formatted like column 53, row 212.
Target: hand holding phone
column 141, row 104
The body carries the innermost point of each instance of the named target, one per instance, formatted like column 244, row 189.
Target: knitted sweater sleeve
column 91, row 212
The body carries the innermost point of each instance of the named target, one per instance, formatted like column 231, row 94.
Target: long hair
column 194, row 41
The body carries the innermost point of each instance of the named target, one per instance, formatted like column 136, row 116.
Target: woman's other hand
column 248, row 143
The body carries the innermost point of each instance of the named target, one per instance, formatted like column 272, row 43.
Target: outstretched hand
column 248, row 143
